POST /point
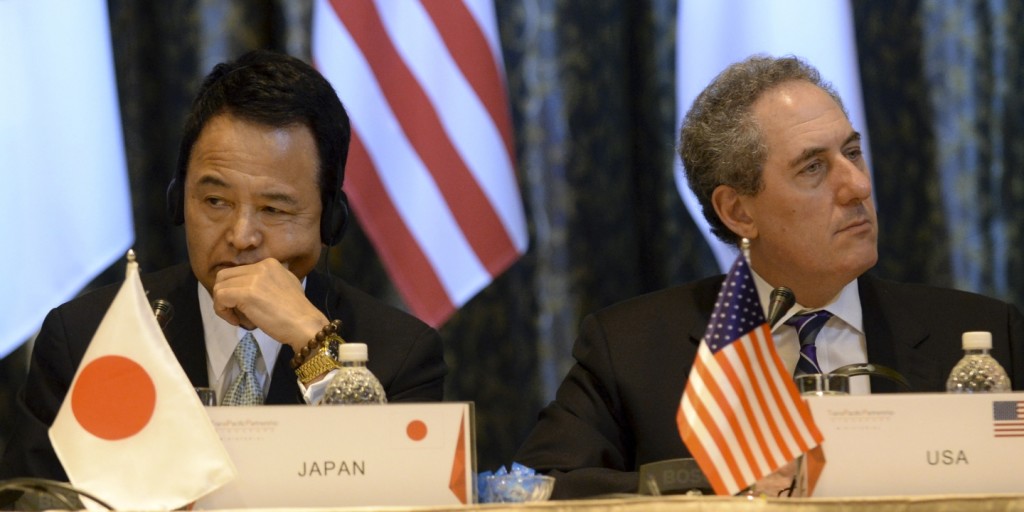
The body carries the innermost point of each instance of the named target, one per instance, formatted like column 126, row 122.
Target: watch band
column 324, row 360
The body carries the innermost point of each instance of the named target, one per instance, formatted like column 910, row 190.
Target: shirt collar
column 845, row 305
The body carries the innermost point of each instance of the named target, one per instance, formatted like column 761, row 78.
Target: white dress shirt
column 840, row 342
column 221, row 339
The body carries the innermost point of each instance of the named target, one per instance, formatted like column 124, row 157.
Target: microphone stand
column 874, row 370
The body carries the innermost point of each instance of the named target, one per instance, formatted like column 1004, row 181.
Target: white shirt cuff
column 315, row 392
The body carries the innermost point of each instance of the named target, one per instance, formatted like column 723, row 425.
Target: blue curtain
column 972, row 65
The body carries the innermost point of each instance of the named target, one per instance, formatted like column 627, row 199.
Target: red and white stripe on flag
column 431, row 171
column 741, row 416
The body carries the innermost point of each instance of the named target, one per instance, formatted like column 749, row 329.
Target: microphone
column 782, row 299
column 164, row 311
column 874, row 370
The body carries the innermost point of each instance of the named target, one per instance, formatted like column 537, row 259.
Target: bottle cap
column 353, row 352
column 977, row 340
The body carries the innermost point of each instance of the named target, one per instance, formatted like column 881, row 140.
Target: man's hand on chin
column 268, row 296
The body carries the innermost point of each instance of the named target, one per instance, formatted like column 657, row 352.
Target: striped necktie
column 807, row 326
column 245, row 390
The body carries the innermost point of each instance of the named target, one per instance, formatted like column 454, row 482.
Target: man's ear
column 732, row 209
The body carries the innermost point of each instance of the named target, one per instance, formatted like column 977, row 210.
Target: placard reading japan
column 333, row 468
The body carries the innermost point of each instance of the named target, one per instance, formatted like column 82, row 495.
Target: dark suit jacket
column 405, row 354
column 616, row 408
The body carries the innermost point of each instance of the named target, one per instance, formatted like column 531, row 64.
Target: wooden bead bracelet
column 314, row 343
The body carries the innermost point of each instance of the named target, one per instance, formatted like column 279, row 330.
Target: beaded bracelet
column 311, row 346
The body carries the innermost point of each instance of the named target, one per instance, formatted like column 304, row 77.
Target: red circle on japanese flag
column 114, row 398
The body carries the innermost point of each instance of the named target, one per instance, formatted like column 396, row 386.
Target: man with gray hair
column 771, row 155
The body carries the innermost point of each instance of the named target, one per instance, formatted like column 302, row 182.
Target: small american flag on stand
column 741, row 416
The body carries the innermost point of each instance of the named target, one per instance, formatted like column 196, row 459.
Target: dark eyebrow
column 279, row 197
column 211, row 180
column 810, row 152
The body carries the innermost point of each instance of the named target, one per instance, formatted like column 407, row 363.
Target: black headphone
column 333, row 218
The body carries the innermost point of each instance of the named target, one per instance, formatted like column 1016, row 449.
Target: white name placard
column 921, row 443
column 357, row 455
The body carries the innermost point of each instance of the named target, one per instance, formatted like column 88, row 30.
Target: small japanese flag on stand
column 131, row 430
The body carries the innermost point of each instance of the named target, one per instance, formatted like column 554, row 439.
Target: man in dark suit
column 258, row 188
column 770, row 153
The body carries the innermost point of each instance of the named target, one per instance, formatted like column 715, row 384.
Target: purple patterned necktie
column 807, row 326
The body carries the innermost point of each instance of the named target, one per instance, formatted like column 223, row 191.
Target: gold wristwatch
column 324, row 360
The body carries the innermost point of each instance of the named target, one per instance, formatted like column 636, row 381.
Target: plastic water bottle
column 977, row 372
column 354, row 383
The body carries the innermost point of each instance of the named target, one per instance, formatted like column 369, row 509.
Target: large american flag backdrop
column 431, row 166
column 741, row 416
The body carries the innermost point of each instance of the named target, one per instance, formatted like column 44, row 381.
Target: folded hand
column 267, row 295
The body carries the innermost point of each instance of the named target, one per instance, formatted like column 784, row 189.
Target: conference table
column 935, row 503
column 905, row 469
column 680, row 503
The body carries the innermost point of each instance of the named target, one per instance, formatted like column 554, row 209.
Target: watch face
column 333, row 347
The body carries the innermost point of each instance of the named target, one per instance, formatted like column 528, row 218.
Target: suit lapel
column 284, row 389
column 329, row 300
column 283, row 386
column 184, row 332
column 705, row 296
column 697, row 331
column 893, row 336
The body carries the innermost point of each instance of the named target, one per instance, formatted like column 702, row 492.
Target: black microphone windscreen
column 163, row 310
column 782, row 299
